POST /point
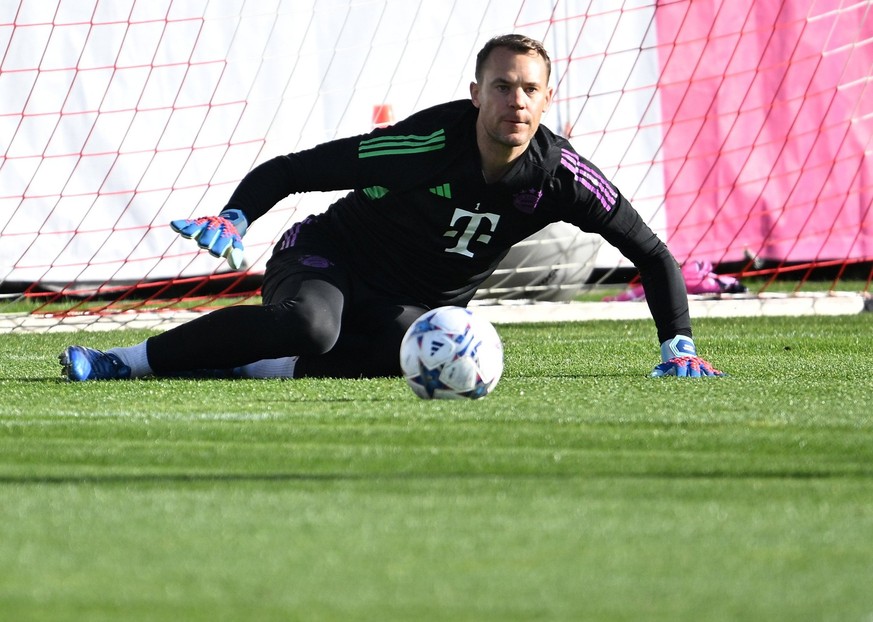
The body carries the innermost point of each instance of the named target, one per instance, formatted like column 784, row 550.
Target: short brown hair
column 516, row 43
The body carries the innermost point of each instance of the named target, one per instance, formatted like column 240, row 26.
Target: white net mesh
column 736, row 129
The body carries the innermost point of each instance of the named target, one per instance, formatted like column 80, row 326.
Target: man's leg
column 305, row 321
column 305, row 291
column 368, row 345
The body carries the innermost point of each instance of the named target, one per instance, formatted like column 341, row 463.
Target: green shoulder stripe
column 401, row 145
column 375, row 192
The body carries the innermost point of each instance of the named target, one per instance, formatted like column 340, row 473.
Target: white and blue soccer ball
column 450, row 352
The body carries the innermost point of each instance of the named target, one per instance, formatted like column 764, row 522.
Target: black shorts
column 305, row 251
column 308, row 251
column 371, row 322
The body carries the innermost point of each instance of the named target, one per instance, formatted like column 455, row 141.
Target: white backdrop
column 119, row 116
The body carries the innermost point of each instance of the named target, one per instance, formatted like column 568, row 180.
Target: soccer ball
column 450, row 352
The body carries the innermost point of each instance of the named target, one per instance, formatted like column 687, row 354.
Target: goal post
column 741, row 131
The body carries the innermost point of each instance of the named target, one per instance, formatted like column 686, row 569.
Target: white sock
column 270, row 368
column 136, row 358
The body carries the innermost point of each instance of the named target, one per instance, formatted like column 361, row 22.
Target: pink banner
column 768, row 117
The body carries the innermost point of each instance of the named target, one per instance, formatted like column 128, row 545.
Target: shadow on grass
column 223, row 478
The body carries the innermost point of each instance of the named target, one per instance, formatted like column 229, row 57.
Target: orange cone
column 383, row 115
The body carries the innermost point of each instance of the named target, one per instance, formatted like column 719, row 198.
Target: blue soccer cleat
column 81, row 363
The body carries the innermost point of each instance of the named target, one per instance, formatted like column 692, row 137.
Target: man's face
column 511, row 97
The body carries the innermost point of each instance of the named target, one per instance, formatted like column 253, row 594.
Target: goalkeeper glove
column 221, row 235
column 679, row 358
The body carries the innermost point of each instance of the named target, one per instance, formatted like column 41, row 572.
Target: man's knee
column 319, row 333
column 306, row 329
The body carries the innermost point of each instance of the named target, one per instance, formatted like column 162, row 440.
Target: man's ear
column 474, row 93
column 549, row 95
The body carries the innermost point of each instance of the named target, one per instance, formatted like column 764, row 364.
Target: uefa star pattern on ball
column 450, row 352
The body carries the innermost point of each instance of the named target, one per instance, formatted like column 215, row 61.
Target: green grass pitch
column 580, row 490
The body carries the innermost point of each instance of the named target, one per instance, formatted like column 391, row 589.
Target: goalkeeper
column 435, row 203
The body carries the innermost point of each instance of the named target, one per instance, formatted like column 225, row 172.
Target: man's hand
column 221, row 235
column 685, row 366
column 679, row 358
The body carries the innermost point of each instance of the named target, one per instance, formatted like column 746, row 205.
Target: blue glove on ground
column 679, row 358
column 221, row 235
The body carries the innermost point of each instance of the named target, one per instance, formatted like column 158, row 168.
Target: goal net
column 741, row 131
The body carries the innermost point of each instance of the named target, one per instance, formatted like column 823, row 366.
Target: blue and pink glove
column 679, row 358
column 221, row 235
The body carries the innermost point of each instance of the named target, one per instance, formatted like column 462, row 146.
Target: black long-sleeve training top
column 422, row 223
